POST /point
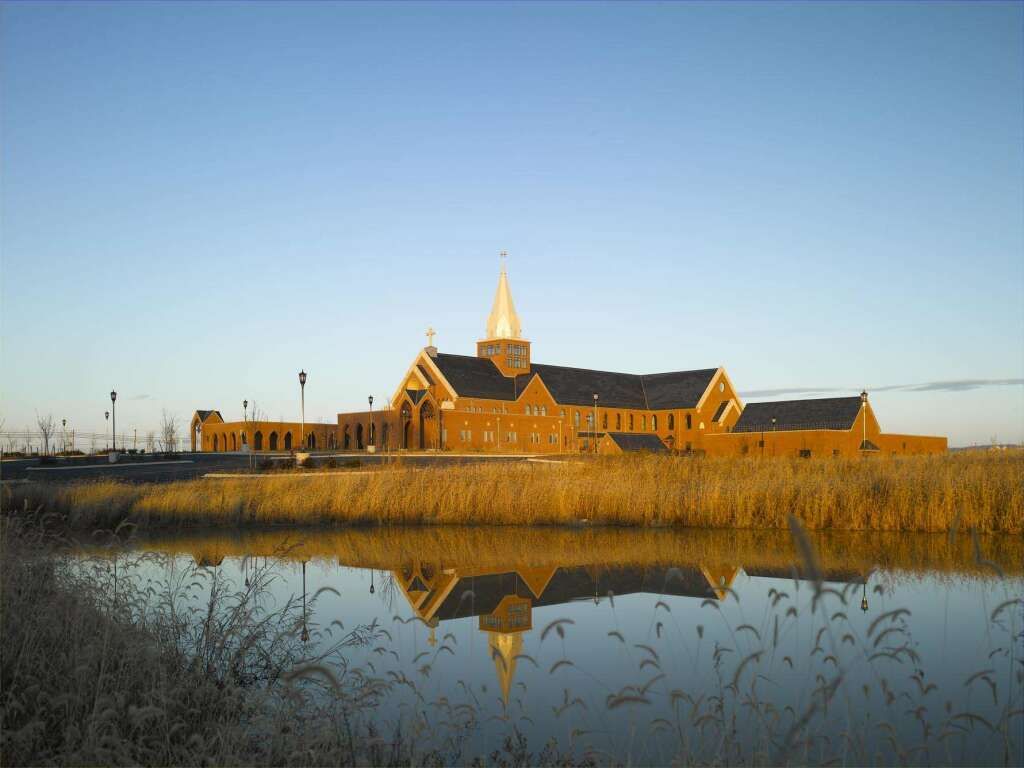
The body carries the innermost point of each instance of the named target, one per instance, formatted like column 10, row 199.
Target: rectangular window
column 654, row 423
column 510, row 437
column 805, row 453
column 553, row 439
column 631, row 422
column 618, row 421
column 689, row 421
column 643, row 422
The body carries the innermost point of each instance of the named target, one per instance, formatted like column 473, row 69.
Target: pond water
column 648, row 646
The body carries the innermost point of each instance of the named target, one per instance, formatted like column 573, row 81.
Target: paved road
column 186, row 466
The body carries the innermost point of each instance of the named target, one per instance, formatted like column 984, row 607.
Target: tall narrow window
column 654, row 423
column 618, row 422
column 576, row 418
column 689, row 421
column 671, row 421
column 604, row 421
column 631, row 422
column 643, row 422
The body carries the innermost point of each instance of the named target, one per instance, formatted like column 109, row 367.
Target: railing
column 32, row 442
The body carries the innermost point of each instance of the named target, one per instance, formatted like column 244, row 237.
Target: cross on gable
column 431, row 333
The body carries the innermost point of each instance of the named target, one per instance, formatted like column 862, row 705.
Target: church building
column 501, row 401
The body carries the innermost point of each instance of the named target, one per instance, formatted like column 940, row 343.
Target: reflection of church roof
column 837, row 576
column 569, row 584
column 480, row 377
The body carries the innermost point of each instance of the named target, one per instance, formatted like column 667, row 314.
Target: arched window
column 631, row 422
column 702, row 425
column 618, row 422
column 643, row 422
column 311, row 440
column 529, row 410
column 273, row 441
column 543, row 410
column 671, row 421
column 346, row 438
column 287, row 441
column 689, row 421
column 234, row 445
column 257, row 440
column 215, row 448
column 654, row 422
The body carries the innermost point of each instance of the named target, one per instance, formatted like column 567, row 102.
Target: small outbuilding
column 619, row 442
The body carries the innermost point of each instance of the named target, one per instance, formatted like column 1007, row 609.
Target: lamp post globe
column 373, row 437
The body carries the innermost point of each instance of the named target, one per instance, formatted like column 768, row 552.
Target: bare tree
column 150, row 440
column 47, row 425
column 168, row 431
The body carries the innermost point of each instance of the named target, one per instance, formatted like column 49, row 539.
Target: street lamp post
column 593, row 432
column 245, row 429
column 64, row 435
column 106, row 422
column 373, row 436
column 864, row 411
column 113, row 412
column 773, row 437
column 302, row 387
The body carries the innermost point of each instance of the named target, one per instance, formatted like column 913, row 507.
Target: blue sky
column 199, row 199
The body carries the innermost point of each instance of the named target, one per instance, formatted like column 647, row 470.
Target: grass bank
column 978, row 490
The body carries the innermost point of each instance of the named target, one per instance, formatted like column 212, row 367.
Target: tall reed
column 982, row 491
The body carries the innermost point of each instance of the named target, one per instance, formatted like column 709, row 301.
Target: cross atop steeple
column 503, row 255
column 431, row 333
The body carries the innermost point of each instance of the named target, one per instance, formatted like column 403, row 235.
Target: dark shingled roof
column 203, row 415
column 631, row 441
column 479, row 377
column 821, row 413
column 475, row 377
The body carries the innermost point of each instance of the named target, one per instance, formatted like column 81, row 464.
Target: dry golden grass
column 978, row 490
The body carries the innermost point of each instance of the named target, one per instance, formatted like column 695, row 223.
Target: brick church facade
column 501, row 401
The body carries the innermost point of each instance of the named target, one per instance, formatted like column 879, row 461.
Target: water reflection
column 651, row 644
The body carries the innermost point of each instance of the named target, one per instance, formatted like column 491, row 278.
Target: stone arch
column 287, row 441
column 257, row 441
column 234, row 442
column 359, row 436
column 428, row 426
column 273, row 441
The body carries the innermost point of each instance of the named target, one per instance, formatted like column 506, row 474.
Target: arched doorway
column 428, row 426
column 273, row 441
column 311, row 441
column 359, row 437
column 346, row 439
column 257, row 440
column 406, row 426
column 287, row 441
column 385, row 434
column 332, row 441
column 234, row 443
column 215, row 448
column 373, row 434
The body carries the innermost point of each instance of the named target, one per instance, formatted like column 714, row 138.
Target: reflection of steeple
column 720, row 578
column 504, row 647
column 503, row 322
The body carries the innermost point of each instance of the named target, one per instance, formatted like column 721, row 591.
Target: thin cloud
column 953, row 385
column 139, row 397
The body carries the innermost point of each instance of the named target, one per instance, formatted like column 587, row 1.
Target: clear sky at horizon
column 197, row 200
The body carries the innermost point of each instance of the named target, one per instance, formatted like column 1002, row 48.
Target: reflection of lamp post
column 864, row 597
column 113, row 411
column 305, row 629
column 372, row 590
column 302, row 387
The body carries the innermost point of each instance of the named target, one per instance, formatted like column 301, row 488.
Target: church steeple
column 504, row 343
column 503, row 322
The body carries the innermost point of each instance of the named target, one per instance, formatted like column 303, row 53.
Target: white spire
column 503, row 322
